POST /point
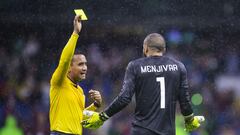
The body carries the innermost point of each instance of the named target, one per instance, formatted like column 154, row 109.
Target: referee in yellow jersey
column 67, row 100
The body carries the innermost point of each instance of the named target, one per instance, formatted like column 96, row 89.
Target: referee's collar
column 74, row 84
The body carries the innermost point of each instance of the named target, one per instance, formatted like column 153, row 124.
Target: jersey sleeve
column 125, row 96
column 91, row 107
column 65, row 60
column 184, row 96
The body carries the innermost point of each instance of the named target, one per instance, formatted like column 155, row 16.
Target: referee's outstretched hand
column 77, row 24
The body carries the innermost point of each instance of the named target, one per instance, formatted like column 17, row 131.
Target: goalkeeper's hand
column 87, row 114
column 193, row 123
column 95, row 121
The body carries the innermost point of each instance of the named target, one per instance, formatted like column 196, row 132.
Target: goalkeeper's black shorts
column 137, row 130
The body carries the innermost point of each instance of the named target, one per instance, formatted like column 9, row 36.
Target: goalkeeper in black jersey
column 158, row 82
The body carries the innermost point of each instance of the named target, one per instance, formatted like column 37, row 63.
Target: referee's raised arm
column 67, row 53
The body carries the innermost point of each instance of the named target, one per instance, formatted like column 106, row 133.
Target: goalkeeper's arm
column 191, row 122
column 121, row 101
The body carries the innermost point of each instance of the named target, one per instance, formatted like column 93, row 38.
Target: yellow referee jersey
column 67, row 100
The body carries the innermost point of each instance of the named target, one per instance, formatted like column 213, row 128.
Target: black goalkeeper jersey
column 158, row 82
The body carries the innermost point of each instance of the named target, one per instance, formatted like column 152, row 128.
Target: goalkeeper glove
column 95, row 121
column 87, row 114
column 193, row 122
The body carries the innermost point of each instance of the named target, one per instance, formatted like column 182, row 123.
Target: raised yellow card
column 81, row 13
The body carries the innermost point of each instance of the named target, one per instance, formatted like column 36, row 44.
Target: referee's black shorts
column 58, row 133
column 137, row 130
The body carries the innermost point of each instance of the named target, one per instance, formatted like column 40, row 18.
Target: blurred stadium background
column 203, row 34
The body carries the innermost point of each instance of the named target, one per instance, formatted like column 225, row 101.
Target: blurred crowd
column 26, row 64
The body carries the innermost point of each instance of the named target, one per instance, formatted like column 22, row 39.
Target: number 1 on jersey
column 161, row 80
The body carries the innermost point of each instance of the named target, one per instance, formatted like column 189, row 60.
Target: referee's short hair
column 77, row 52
